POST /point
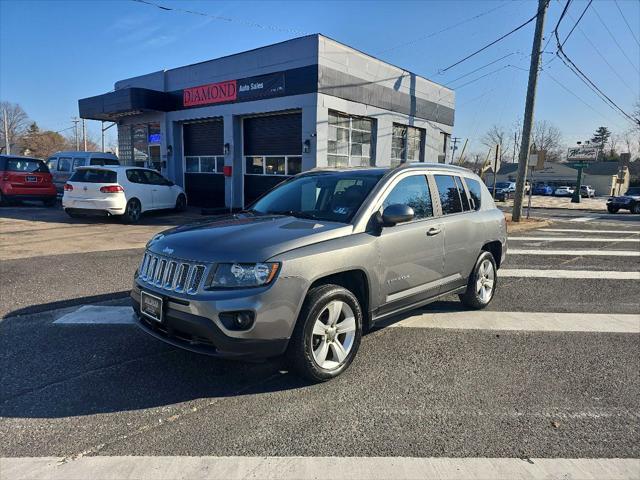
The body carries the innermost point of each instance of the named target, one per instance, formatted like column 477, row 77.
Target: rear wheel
column 635, row 208
column 611, row 209
column 482, row 283
column 3, row 200
column 327, row 334
column 181, row 203
column 50, row 202
column 133, row 211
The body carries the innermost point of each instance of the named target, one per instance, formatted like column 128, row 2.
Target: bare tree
column 497, row 135
column 17, row 122
column 547, row 136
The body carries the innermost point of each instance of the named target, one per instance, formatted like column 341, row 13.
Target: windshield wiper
column 294, row 213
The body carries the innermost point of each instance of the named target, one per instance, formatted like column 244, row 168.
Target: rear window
column 90, row 175
column 26, row 165
column 475, row 190
column 104, row 161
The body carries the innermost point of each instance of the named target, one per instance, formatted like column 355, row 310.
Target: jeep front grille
column 171, row 274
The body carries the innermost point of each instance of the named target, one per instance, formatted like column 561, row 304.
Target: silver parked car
column 319, row 260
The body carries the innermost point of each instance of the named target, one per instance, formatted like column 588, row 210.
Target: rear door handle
column 433, row 231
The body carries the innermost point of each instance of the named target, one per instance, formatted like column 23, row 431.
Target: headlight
column 239, row 275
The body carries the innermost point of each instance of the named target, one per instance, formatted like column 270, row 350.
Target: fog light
column 242, row 320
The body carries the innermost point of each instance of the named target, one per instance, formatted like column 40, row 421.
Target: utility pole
column 515, row 146
column 495, row 170
column 529, row 108
column 75, row 125
column 84, row 134
column 454, row 140
column 5, row 121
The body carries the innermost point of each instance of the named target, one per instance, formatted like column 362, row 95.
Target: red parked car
column 24, row 178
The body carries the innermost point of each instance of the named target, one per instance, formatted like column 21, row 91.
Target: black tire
column 50, row 202
column 472, row 298
column 300, row 352
column 181, row 203
column 611, row 209
column 635, row 208
column 133, row 211
column 3, row 200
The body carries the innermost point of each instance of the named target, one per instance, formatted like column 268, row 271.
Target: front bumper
column 192, row 322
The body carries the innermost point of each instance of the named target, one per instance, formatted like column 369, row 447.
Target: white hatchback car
column 564, row 191
column 120, row 190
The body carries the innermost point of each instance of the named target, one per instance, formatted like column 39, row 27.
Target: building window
column 273, row 165
column 406, row 144
column 350, row 141
column 204, row 164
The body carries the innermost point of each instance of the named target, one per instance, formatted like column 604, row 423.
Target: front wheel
column 327, row 334
column 181, row 203
column 133, row 211
column 611, row 209
column 482, row 283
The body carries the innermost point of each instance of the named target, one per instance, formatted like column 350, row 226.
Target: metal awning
column 126, row 102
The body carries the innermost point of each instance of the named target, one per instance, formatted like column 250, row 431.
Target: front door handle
column 433, row 231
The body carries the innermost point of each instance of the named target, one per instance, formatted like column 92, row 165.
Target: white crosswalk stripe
column 317, row 468
column 582, row 219
column 587, row 230
column 574, row 252
column 593, row 274
column 573, row 239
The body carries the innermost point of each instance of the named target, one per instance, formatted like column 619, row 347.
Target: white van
column 63, row 164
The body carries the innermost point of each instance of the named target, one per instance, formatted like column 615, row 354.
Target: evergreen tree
column 600, row 139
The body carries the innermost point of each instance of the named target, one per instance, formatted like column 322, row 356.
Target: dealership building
column 229, row 129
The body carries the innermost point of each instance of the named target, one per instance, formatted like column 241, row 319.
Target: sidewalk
column 598, row 204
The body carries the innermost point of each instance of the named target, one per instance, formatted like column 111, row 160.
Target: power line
column 445, row 29
column 615, row 41
column 577, row 22
column 480, row 68
column 221, row 18
column 627, row 23
column 490, row 73
column 490, row 44
column 581, row 75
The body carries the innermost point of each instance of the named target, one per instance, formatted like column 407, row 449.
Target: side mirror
column 397, row 213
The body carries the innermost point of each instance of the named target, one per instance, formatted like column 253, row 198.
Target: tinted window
column 136, row 176
column 104, row 161
column 463, row 194
column 64, row 164
column 51, row 163
column 449, row 195
column 78, row 162
column 475, row 191
column 90, row 175
column 27, row 165
column 412, row 191
column 154, row 178
column 633, row 191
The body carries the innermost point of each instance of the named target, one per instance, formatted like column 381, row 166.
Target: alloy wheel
column 485, row 282
column 333, row 335
column 133, row 210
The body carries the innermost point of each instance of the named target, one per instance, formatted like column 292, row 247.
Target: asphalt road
column 71, row 390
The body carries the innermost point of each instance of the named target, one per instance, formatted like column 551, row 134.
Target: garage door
column 204, row 162
column 272, row 152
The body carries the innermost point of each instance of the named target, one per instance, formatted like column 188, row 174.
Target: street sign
column 582, row 153
column 536, row 160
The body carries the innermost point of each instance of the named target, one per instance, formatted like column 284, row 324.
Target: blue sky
column 54, row 52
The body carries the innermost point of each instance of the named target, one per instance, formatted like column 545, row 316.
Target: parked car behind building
column 587, row 191
column 63, row 164
column 318, row 260
column 564, row 191
column 123, row 191
column 25, row 178
column 542, row 189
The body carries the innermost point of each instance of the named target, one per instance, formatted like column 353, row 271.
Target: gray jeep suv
column 320, row 259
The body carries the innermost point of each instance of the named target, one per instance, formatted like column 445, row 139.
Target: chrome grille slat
column 172, row 274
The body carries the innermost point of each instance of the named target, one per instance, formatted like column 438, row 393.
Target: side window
column 64, row 164
column 463, row 194
column 475, row 191
column 154, row 178
column 449, row 195
column 135, row 176
column 52, row 163
column 412, row 191
column 78, row 162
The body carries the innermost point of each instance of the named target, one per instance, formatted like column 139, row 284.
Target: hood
column 244, row 238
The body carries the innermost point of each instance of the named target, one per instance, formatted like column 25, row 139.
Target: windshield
column 323, row 196
column 26, row 165
column 633, row 191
